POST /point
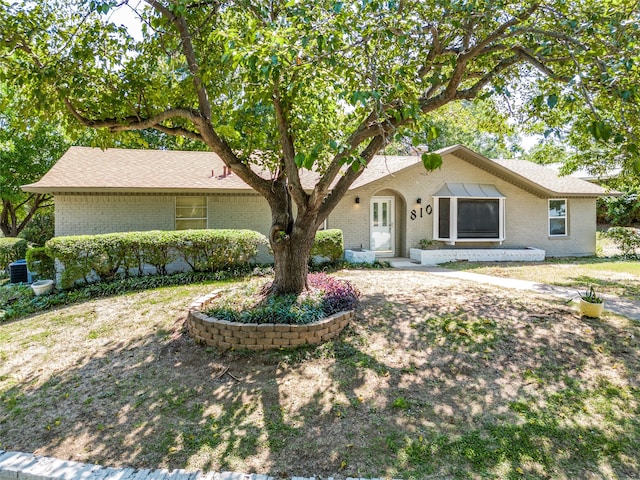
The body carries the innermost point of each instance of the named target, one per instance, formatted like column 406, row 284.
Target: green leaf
column 552, row 100
column 299, row 159
column 309, row 161
column 431, row 161
column 432, row 133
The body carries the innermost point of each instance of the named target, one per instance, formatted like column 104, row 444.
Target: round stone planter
column 593, row 310
column 225, row 335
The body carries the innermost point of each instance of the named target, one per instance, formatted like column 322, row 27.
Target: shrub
column 157, row 248
column 109, row 255
column 212, row 250
column 623, row 210
column 40, row 229
column 40, row 263
column 627, row 239
column 328, row 244
column 11, row 249
column 74, row 254
column 337, row 295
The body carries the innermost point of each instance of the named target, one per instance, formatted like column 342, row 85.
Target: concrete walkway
column 621, row 306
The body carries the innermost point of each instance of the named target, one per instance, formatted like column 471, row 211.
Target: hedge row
column 40, row 263
column 108, row 255
column 11, row 249
column 329, row 244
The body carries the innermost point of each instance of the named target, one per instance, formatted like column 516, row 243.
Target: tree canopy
column 28, row 149
column 322, row 85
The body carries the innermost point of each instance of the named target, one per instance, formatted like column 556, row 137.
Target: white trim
column 565, row 218
column 392, row 213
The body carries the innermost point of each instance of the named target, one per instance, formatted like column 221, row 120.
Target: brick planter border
column 264, row 336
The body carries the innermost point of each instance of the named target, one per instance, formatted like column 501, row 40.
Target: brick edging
column 264, row 336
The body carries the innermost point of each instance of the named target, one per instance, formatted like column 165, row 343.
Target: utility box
column 18, row 272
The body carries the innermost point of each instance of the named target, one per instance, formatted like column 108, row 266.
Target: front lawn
column 434, row 377
column 612, row 276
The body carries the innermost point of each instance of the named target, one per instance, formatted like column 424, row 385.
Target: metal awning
column 471, row 190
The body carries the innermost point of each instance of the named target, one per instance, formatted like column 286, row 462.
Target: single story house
column 472, row 201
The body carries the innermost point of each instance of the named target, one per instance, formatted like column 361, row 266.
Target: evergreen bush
column 11, row 249
column 40, row 263
column 85, row 258
column 329, row 244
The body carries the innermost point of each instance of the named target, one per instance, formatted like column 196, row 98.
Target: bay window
column 468, row 212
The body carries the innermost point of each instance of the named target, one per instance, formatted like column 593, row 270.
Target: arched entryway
column 387, row 223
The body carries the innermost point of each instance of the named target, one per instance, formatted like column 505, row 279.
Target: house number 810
column 414, row 213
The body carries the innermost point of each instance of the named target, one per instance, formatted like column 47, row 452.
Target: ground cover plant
column 249, row 302
column 434, row 377
column 18, row 300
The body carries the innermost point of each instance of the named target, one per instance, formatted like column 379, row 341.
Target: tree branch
column 189, row 53
column 500, row 31
column 135, row 122
column 370, row 127
column 179, row 132
column 536, row 62
column 288, row 149
column 350, row 176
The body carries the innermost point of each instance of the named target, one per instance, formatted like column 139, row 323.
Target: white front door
column 382, row 226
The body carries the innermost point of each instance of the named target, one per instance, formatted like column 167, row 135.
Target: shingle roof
column 85, row 169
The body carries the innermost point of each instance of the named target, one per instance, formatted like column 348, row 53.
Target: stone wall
column 265, row 336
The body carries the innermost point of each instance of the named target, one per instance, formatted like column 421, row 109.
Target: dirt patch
column 434, row 377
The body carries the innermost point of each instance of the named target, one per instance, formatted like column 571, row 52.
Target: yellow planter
column 593, row 310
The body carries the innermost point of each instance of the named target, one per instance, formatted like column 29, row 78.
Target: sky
column 125, row 16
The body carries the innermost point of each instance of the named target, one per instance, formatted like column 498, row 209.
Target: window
column 444, row 217
column 467, row 212
column 191, row 213
column 478, row 218
column 558, row 218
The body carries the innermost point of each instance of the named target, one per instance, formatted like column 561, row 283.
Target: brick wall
column 224, row 335
column 525, row 214
column 95, row 214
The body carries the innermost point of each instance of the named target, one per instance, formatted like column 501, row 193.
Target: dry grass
column 608, row 272
column 611, row 277
column 434, row 377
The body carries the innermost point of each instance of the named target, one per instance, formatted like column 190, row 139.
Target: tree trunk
column 291, row 241
column 9, row 224
column 8, row 220
column 291, row 258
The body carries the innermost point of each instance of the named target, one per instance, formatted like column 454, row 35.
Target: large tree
column 280, row 85
column 28, row 149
